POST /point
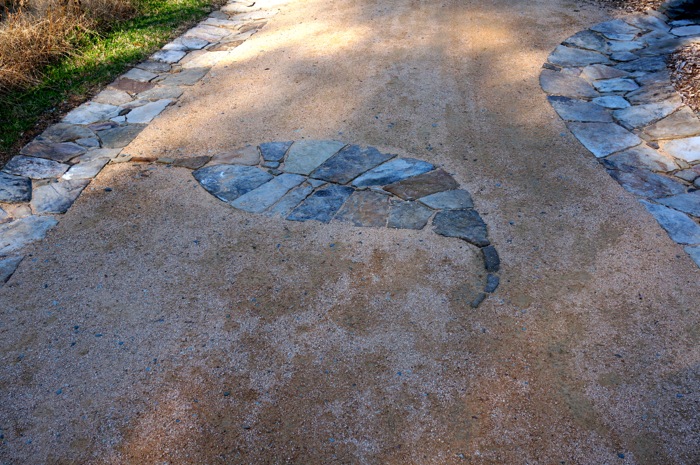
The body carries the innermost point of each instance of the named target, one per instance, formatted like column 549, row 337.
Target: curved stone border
column 610, row 83
column 327, row 180
column 51, row 171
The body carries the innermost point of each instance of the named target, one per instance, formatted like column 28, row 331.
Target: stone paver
column 262, row 198
column 228, row 182
column 120, row 136
column 58, row 151
column 422, row 185
column 408, row 215
column 580, row 110
column 56, row 196
column 8, row 265
column 603, row 139
column 304, row 156
column 23, row 231
column 457, row 199
column 686, row 203
column 35, row 168
column 393, row 171
column 464, row 224
column 322, row 205
column 687, row 149
column 274, row 151
column 349, row 163
column 365, row 208
column 146, row 113
column 15, row 189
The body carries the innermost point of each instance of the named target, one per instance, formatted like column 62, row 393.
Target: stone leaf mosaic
column 611, row 85
column 326, row 180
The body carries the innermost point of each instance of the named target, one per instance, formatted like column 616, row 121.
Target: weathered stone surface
column 228, row 182
column 646, row 22
column 192, row 163
column 662, row 77
column 688, row 175
column 146, row 113
column 192, row 43
column 448, row 200
column 642, row 156
column 647, row 65
column 35, row 168
column 587, row 39
column 204, row 59
column 274, row 151
column 14, row 189
column 8, row 266
column 349, row 163
column 687, row 149
column 56, row 197
column 647, row 184
column 615, row 85
column 366, row 209
column 168, row 56
column 678, row 226
column 260, row 199
column 19, row 233
column 652, row 93
column 464, row 224
column 557, row 83
column 57, row 151
column 4, row 216
column 112, row 96
column 569, row 57
column 205, row 34
column 154, row 66
column 603, row 139
column 306, row 155
column 63, row 132
column 91, row 112
column 248, row 155
column 174, row 46
column 685, row 31
column 408, row 215
column 492, row 262
column 263, row 14
column 640, row 115
column 492, row 282
column 578, row 110
column 624, row 56
column 596, row 72
column 110, row 154
column 315, row 182
column 86, row 169
column 186, row 77
column 393, row 171
column 614, row 46
column 613, row 102
column 17, row 210
column 90, row 143
column 139, row 75
column 120, row 136
column 227, row 23
column 617, row 30
column 687, row 203
column 162, row 92
column 682, row 123
column 271, row 164
column 322, row 205
column 422, row 185
column 290, row 201
column 694, row 253
column 131, row 86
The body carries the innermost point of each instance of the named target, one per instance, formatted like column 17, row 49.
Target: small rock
column 120, row 136
column 642, row 156
column 192, row 163
column 168, row 56
column 228, row 182
column 687, row 203
column 615, row 85
column 578, row 110
column 613, row 102
column 422, row 185
column 685, row 31
column 568, row 57
column 448, row 200
column 349, row 163
column 63, row 132
column 154, row 66
column 641, row 115
column 687, row 149
column 91, row 112
column 263, row 197
column 596, row 72
column 492, row 262
column 85, row 170
column 647, row 65
column 587, row 39
column 113, row 97
column 147, row 112
column 393, row 171
column 644, row 183
column 57, row 151
column 464, row 224
column 682, row 123
column 492, row 282
column 290, row 201
column 139, row 75
column 556, row 83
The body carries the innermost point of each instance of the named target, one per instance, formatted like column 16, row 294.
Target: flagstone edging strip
column 611, row 85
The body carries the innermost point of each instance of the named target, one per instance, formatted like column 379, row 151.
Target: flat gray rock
column 408, row 215
column 615, row 85
column 422, row 185
column 579, row 110
column 304, row 156
column 63, row 132
column 85, row 169
column 228, row 182
column 168, row 56
column 91, row 143
column 571, row 57
column 109, row 154
column 290, row 201
column 682, row 123
column 139, row 75
column 556, row 83
column 154, row 66
column 146, row 113
column 614, row 46
column 587, row 39
column 114, row 97
column 35, row 168
column 260, row 199
column 492, row 262
column 685, row 31
column 617, row 30
column 14, row 189
column 624, row 56
column 19, row 233
column 644, row 21
column 647, row 184
column 365, row 209
column 56, row 197
column 687, row 203
column 694, row 253
column 653, row 93
column 640, row 115
column 679, row 227
column 393, row 171
column 349, row 163
column 91, row 112
column 57, row 151
column 642, row 156
column 457, row 199
column 603, row 139
column 186, row 77
column 162, row 92
column 687, row 149
column 464, row 224
column 8, row 266
column 193, row 43
column 120, row 136
column 647, row 64
column 274, row 151
column 248, row 155
column 612, row 102
column 322, row 205
column 596, row 72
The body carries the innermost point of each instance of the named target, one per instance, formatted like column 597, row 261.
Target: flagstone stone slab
column 85, row 169
column 603, row 139
column 683, row 123
column 596, row 72
column 304, row 156
column 349, row 163
column 687, row 149
column 120, row 136
column 168, row 56
column 145, row 113
column 645, row 183
column 21, row 232
column 464, row 224
column 457, row 199
column 139, row 75
column 393, row 171
column 641, row 115
column 56, row 196
column 687, row 203
column 612, row 102
column 422, row 185
column 15, row 189
column 557, row 83
column 274, row 151
column 260, row 199
column 8, row 266
column 365, row 209
column 579, row 110
column 322, row 205
column 162, row 92
column 35, row 168
column 290, row 201
column 569, row 56
column 679, row 227
column 615, row 85
column 91, row 112
column 228, row 182
column 588, row 40
column 694, row 252
column 186, row 77
column 63, row 132
column 642, row 156
column 57, row 151
column 408, row 215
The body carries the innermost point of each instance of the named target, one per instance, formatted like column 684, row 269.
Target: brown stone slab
column 422, row 185
column 132, row 86
column 365, row 208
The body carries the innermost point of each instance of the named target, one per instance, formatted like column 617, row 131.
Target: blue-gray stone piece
column 492, row 282
column 393, row 171
column 365, row 209
column 640, row 115
column 603, row 139
column 464, row 224
column 557, row 83
column 228, row 182
column 57, row 151
column 492, row 262
column 120, row 136
column 587, row 39
column 35, row 168
column 57, row 197
column 260, row 199
column 617, row 30
column 18, row 233
column 646, row 184
column 349, row 163
column 304, row 156
column 8, row 266
column 679, row 227
column 14, row 189
column 694, row 252
column 322, row 205
column 408, row 215
column 687, row 203
column 274, row 151
column 457, row 199
column 574, row 57
column 290, row 200
column 615, row 85
column 647, row 65
column 579, row 110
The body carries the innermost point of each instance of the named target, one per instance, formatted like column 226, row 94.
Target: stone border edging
column 611, row 85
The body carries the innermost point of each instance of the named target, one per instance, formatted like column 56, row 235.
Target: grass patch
column 96, row 59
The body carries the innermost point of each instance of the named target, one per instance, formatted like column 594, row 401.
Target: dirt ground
column 157, row 325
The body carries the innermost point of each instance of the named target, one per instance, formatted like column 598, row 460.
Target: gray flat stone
column 448, row 200
column 203, row 33
column 365, row 209
column 685, row 31
column 63, row 132
column 204, row 59
column 120, row 136
column 617, row 30
column 154, row 66
column 689, row 175
column 304, row 156
column 642, row 156
column 139, row 75
column 175, row 46
column 613, row 102
column 57, row 151
column 109, row 154
column 647, row 65
column 8, row 266
column 14, row 189
column 492, row 262
column 393, row 171
column 146, row 113
column 569, row 57
column 91, row 112
column 615, row 85
column 274, row 151
column 587, row 39
column 464, row 224
column 640, row 115
column 349, row 163
column 655, row 92
column 557, row 83
column 263, row 14
column 248, row 155
column 91, row 143
column 603, row 139
column 492, row 282
column 35, row 168
column 56, row 197
column 596, row 72
column 131, row 86
column 579, row 110
column 114, row 97
column 646, row 22
column 168, row 56
column 422, row 185
column 624, row 56
column 192, row 163
column 647, row 184
column 694, row 253
column 19, row 233
column 408, row 215
column 271, row 164
column 228, row 182
column 290, row 201
column 162, row 92
column 687, row 203
column 615, row 46
column 227, row 23
column 683, row 123
column 192, row 43
column 687, row 149
column 315, row 182
column 86, row 169
column 322, row 205
column 679, row 227
column 186, row 77
column 260, row 199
